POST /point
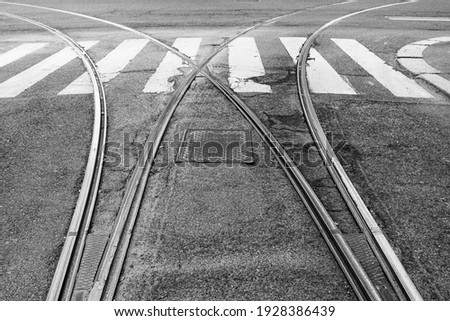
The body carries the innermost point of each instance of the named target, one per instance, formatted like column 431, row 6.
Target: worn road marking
column 108, row 67
column 169, row 67
column 417, row 66
column 321, row 76
column 20, row 52
column 411, row 57
column 440, row 82
column 412, row 51
column 435, row 19
column 24, row 80
column 245, row 63
column 394, row 81
column 415, row 49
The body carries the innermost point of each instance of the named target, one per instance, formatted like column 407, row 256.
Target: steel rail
column 354, row 272
column 393, row 268
column 156, row 41
column 139, row 177
column 350, row 265
column 72, row 250
column 135, row 189
column 352, row 268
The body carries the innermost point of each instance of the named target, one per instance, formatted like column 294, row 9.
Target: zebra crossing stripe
column 24, row 80
column 20, row 52
column 394, row 81
column 321, row 76
column 244, row 63
column 169, row 67
column 109, row 67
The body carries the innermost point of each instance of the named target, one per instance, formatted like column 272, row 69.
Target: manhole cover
column 216, row 146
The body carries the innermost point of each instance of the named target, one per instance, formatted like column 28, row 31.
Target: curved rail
column 70, row 258
column 389, row 261
column 108, row 272
column 350, row 265
column 130, row 204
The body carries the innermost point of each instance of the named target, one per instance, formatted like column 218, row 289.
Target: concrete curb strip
column 411, row 58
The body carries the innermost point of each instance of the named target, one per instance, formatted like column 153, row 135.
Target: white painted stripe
column 432, row 41
column 394, row 81
column 417, row 66
column 322, row 77
column 24, row 80
column 20, row 52
column 436, row 19
column 169, row 67
column 415, row 49
column 293, row 45
column 245, row 62
column 411, row 51
column 440, row 82
column 108, row 67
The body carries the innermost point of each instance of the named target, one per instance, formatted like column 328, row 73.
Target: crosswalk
column 321, row 76
column 170, row 66
column 109, row 67
column 394, row 81
column 245, row 63
column 27, row 78
column 20, row 52
column 245, row 66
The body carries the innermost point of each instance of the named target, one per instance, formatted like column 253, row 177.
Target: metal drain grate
column 92, row 254
column 216, row 146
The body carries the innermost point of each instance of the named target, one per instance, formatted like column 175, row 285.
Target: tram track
column 70, row 258
column 394, row 271
column 111, row 266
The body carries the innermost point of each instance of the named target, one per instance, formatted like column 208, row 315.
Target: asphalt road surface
column 229, row 232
